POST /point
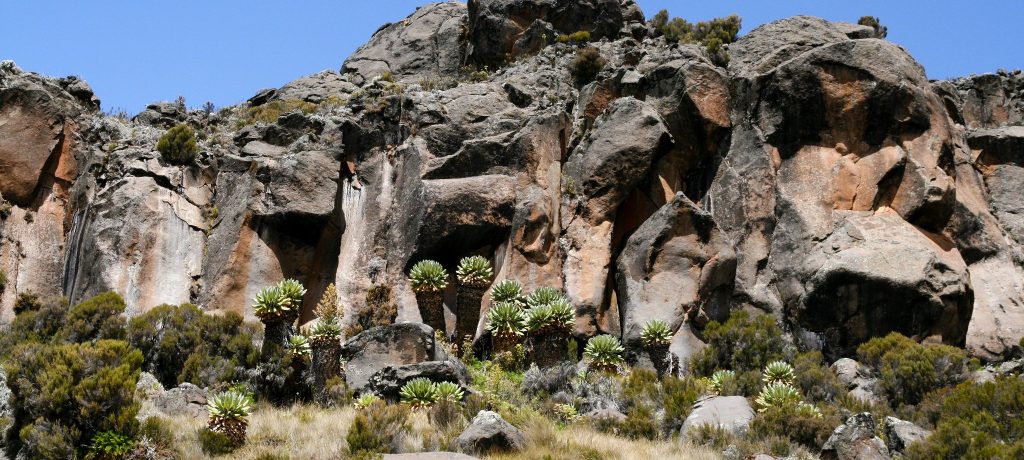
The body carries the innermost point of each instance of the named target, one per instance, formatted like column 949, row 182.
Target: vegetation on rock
column 587, row 64
column 178, row 145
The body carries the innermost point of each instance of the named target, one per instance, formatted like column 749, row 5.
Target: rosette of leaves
column 298, row 346
column 229, row 415
column 805, row 409
column 604, row 352
column 419, row 393
column 563, row 315
column 291, row 291
column 428, row 276
column 508, row 291
column 540, row 319
column 474, row 271
column 778, row 372
column 719, row 379
column 506, row 319
column 778, row 395
column 656, row 333
column 366, row 400
column 448, row 391
column 270, row 305
column 543, row 296
column 325, row 329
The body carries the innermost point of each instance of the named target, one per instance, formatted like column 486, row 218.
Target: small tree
column 178, row 145
column 587, row 64
column 873, row 22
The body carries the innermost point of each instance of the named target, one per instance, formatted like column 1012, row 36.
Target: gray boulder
column 424, row 45
column 855, row 440
column 393, row 346
column 900, row 434
column 316, row 88
column 489, row 433
column 388, row 381
column 162, row 114
column 732, row 413
column 185, row 399
column 855, row 31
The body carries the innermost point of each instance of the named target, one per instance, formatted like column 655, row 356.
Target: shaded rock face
column 384, row 356
column 820, row 178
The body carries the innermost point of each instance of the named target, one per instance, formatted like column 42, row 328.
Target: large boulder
column 185, row 399
column 426, row 45
column 855, row 440
column 500, row 30
column 489, row 433
column 394, row 346
column 731, row 413
column 900, row 434
column 324, row 86
column 677, row 267
column 388, row 381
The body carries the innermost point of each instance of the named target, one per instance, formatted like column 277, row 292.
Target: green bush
column 214, row 443
column 711, row 34
column 379, row 310
column 34, row 326
column 580, row 36
column 874, row 23
column 639, row 424
column 587, row 64
column 178, row 145
column 816, row 381
column 271, row 111
column 794, row 424
column 377, row 429
column 978, row 421
column 181, row 344
column 909, row 370
column 72, row 392
column 743, row 343
column 27, row 301
column 110, row 445
column 97, row 318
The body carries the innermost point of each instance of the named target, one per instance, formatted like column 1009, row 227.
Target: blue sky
column 133, row 52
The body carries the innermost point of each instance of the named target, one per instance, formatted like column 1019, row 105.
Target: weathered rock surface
column 732, row 413
column 820, row 177
column 406, row 348
column 855, row 439
column 900, row 434
column 489, row 433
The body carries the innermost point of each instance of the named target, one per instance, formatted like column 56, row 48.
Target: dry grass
column 308, row 432
column 580, row 441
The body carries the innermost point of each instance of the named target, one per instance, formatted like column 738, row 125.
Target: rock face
column 732, row 413
column 489, row 433
column 900, row 434
column 855, row 440
column 819, row 177
column 383, row 359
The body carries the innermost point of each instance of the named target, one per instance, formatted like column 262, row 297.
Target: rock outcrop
column 730, row 413
column 819, row 177
column 489, row 433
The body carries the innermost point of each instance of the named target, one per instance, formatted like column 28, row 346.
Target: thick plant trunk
column 275, row 336
column 468, row 306
column 661, row 358
column 550, row 349
column 502, row 343
column 431, row 305
column 326, row 366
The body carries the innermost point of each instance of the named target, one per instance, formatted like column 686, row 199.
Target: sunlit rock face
column 818, row 177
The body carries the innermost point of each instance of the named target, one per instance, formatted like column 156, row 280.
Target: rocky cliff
column 819, row 176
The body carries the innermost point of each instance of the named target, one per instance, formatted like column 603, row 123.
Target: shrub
column 419, row 393
column 327, row 307
column 181, row 344
column 110, row 445
column 428, row 275
column 378, row 429
column 69, row 393
column 27, row 301
column 743, row 343
column 909, row 370
column 874, row 23
column 94, row 319
column 797, row 424
column 271, row 111
column 474, row 271
column 656, row 333
column 508, row 291
column 711, row 34
column 543, row 296
column 814, row 380
column 34, row 326
column 604, row 352
column 778, row 372
column 639, row 424
column 587, row 64
column 580, row 36
column 978, row 421
column 178, row 145
column 3, row 281
column 379, row 310
column 214, row 443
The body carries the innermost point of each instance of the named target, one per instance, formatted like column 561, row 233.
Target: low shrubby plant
column 377, row 429
column 908, row 370
column 178, row 145
column 587, row 64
